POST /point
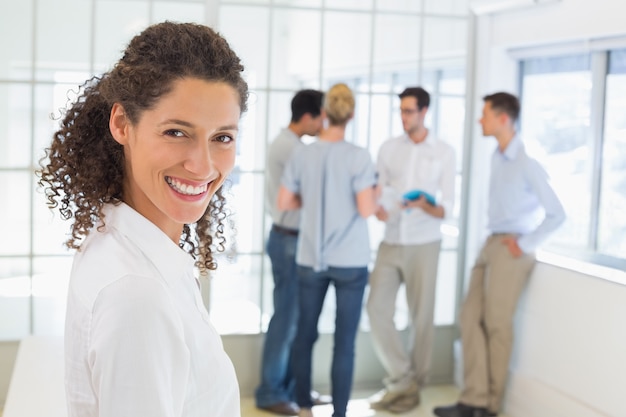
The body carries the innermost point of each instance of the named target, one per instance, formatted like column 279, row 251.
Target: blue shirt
column 328, row 176
column 521, row 201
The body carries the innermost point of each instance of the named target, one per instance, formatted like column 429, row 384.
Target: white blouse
column 138, row 340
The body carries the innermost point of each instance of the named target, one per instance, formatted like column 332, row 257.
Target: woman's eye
column 175, row 133
column 224, row 139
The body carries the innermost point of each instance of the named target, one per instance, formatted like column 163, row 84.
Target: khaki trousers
column 415, row 266
column 497, row 281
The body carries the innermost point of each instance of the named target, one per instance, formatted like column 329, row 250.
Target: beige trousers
column 415, row 266
column 497, row 281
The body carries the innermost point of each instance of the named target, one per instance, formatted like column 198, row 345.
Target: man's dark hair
column 504, row 102
column 421, row 95
column 306, row 101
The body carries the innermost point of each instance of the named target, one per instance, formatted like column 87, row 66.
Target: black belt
column 284, row 230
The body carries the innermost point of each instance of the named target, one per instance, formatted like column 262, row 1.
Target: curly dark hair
column 83, row 168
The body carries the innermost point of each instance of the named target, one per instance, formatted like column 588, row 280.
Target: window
column 573, row 122
column 285, row 45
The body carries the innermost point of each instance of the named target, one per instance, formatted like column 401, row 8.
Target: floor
column 358, row 406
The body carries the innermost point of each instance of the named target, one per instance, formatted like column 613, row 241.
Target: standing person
column 523, row 211
column 409, row 252
column 138, row 164
column 333, row 182
column 275, row 392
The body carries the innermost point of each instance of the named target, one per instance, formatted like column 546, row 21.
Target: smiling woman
column 138, row 165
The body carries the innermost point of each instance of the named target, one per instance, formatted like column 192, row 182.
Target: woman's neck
column 333, row 133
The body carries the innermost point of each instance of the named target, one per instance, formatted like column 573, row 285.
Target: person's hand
column 381, row 214
column 511, row 243
column 419, row 203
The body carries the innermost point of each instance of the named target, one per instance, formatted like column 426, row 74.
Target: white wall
column 570, row 349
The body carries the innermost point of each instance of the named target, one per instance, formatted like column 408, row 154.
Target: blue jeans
column 349, row 287
column 277, row 381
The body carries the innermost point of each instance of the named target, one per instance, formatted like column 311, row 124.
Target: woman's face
column 179, row 152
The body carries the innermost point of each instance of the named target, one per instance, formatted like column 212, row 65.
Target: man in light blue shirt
column 523, row 211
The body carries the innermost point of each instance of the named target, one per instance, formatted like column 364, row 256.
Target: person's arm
column 554, row 212
column 137, row 353
column 366, row 202
column 288, row 200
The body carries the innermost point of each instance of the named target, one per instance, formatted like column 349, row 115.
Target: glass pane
column 15, row 125
column 350, row 4
column 52, row 231
column 114, row 29
column 347, row 38
column 418, row 76
column 295, row 48
column 279, row 117
column 357, row 131
column 15, row 217
column 50, row 103
column 445, row 294
column 452, row 81
column 235, row 295
column 399, row 5
column 612, row 222
column 397, row 45
column 267, row 291
column 299, row 3
column 57, row 22
column 246, row 1
column 16, row 50
column 50, row 283
column 447, row 6
column 382, row 107
column 247, row 31
column 251, row 140
column 246, row 201
column 178, row 11
column 555, row 124
column 14, row 298
column 450, row 124
column 445, row 41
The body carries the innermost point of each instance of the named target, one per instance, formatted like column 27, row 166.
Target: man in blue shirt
column 523, row 211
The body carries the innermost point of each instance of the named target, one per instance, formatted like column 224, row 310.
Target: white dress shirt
column 138, row 340
column 403, row 166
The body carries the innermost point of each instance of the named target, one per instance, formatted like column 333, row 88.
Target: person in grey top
column 333, row 182
column 275, row 391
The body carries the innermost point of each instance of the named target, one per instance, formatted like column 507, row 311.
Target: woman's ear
column 119, row 124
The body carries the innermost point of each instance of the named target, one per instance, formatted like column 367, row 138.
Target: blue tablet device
column 415, row 194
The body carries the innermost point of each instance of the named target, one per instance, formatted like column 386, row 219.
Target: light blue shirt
column 328, row 176
column 521, row 201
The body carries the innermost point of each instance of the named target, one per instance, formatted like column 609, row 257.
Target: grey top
column 277, row 156
column 328, row 176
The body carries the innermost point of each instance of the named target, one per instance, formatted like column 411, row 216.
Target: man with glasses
column 417, row 175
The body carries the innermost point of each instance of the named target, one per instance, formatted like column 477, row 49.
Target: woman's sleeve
column 137, row 353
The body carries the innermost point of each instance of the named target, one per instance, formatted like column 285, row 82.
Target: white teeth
column 186, row 189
